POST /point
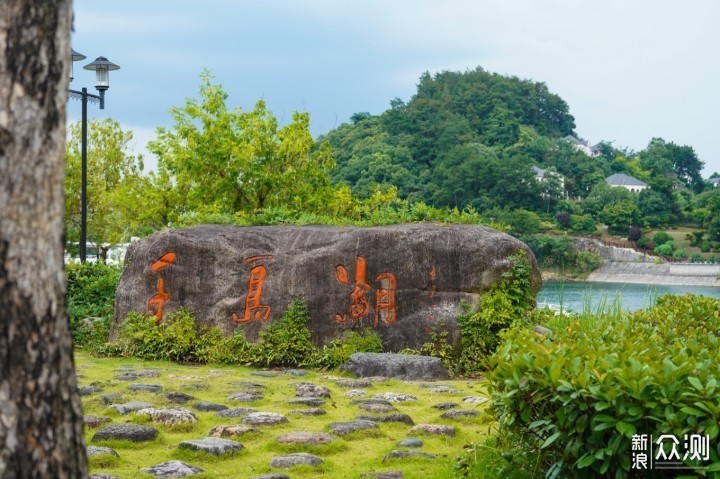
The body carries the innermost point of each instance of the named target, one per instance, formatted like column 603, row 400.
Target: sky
column 630, row 70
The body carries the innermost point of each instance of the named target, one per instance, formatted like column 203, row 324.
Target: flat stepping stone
column 313, row 402
column 206, row 406
column 382, row 475
column 306, row 390
column 93, row 451
column 354, row 383
column 186, row 378
column 173, row 469
column 248, row 385
column 398, row 366
column 88, row 390
column 434, row 429
column 246, row 396
column 235, row 412
column 231, row 431
column 264, row 419
column 371, row 401
column 313, row 411
column 151, row 388
column 128, row 432
column 172, row 416
column 355, row 393
column 440, row 388
column 459, row 414
column 296, row 372
column 410, row 442
column 95, row 421
column 305, row 437
column 212, row 445
column 344, row 428
column 402, row 454
column 133, row 375
column 403, row 418
column 444, row 406
column 377, row 408
column 395, row 397
column 129, row 407
column 178, row 397
column 111, row 398
column 291, row 460
column 102, row 476
column 475, row 399
column 264, row 374
column 274, row 475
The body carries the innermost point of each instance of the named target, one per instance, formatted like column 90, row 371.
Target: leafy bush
column 560, row 252
column 582, row 224
column 91, row 301
column 634, row 233
column 581, row 396
column 665, row 249
column 661, row 237
column 287, row 342
column 338, row 352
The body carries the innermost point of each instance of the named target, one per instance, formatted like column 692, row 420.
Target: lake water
column 576, row 296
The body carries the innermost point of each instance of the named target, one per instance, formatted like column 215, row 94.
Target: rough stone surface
column 475, row 399
column 377, row 408
column 440, row 388
column 313, row 411
column 274, row 475
column 264, row 374
column 151, row 388
column 111, row 398
column 212, row 445
column 173, row 469
column 102, row 476
column 230, row 431
column 248, row 385
column 425, row 270
column 355, row 393
column 170, row 416
column 235, row 412
column 403, row 418
column 459, row 414
column 395, row 397
column 307, row 390
column 444, row 406
column 305, row 437
column 402, row 454
column 93, row 451
column 354, row 383
column 344, row 428
column 310, row 401
column 95, row 421
column 410, row 442
column 433, row 429
column 177, row 397
column 382, row 475
column 291, row 460
column 133, row 375
column 206, row 406
column 129, row 432
column 264, row 419
column 88, row 390
column 296, row 372
column 129, row 407
column 398, row 366
column 249, row 395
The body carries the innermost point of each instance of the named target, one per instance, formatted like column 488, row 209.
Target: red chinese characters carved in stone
column 254, row 309
column 385, row 306
column 156, row 303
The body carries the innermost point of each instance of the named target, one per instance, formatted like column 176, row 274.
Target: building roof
column 621, row 179
column 538, row 171
column 715, row 181
column 575, row 141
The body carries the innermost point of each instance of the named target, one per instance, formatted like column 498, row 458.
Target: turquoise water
column 630, row 297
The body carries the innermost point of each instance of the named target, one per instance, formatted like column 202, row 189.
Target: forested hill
column 463, row 139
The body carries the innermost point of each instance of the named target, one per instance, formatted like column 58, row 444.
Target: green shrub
column 581, row 396
column 287, row 342
column 661, row 237
column 91, row 301
column 665, row 249
column 338, row 351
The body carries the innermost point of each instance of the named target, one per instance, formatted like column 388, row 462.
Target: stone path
column 358, row 409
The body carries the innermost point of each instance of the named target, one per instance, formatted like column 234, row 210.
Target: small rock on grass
column 354, row 383
column 475, row 399
column 410, row 442
column 444, row 406
column 151, row 388
column 93, row 451
column 264, row 419
column 212, row 445
column 377, row 408
column 274, row 475
column 291, row 460
column 129, row 407
column 307, row 390
column 172, row 416
column 88, row 390
column 305, row 437
column 382, row 475
column 173, row 469
column 130, row 432
column 459, row 414
column 313, row 411
column 246, row 396
column 230, row 431
column 209, row 406
column 310, row 401
column 403, row 418
column 434, row 429
column 95, row 421
column 235, row 412
column 405, row 454
column 178, row 397
column 344, row 428
column 111, row 398
column 395, row 397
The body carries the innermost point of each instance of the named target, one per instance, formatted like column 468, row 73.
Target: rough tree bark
column 41, row 432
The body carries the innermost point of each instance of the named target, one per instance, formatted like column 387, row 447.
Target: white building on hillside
column 628, row 182
column 584, row 146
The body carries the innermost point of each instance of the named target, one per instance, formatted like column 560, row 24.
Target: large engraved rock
column 400, row 280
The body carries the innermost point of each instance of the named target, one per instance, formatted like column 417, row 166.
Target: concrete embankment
column 625, row 265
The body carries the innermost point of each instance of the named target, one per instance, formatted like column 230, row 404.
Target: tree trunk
column 41, row 430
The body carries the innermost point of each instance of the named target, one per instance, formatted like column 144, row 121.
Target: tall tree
column 41, row 430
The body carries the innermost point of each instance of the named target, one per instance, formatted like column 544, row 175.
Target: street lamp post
column 102, row 68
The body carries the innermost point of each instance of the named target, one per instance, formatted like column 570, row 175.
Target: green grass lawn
column 345, row 457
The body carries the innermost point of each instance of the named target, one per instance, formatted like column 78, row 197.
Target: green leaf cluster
column 582, row 393
column 91, row 301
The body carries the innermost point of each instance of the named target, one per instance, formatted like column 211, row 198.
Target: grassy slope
column 346, row 457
